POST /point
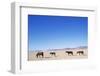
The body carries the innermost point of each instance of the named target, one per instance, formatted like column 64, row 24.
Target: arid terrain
column 65, row 53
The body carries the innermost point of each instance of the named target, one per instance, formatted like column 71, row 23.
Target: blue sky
column 53, row 32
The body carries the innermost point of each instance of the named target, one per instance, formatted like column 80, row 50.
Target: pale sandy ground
column 60, row 54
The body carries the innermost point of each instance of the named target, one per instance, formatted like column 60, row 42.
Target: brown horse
column 53, row 53
column 69, row 52
column 40, row 54
column 80, row 52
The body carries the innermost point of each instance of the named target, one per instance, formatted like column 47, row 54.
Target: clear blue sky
column 53, row 32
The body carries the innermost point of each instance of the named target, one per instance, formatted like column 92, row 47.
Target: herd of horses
column 70, row 53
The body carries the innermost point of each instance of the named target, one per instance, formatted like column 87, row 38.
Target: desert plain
column 65, row 53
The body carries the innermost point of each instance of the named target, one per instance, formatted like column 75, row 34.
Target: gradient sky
column 53, row 32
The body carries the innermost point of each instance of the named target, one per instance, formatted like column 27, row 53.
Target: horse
column 40, row 54
column 69, row 52
column 80, row 52
column 53, row 53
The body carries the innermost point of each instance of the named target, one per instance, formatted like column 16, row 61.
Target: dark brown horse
column 53, row 53
column 69, row 52
column 40, row 54
column 80, row 52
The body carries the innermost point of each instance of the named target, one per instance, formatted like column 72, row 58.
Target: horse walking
column 80, row 52
column 53, row 53
column 69, row 52
column 40, row 54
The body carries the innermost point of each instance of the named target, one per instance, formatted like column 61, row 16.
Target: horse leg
column 68, row 54
column 54, row 54
column 42, row 56
column 83, row 53
column 37, row 56
column 72, row 53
